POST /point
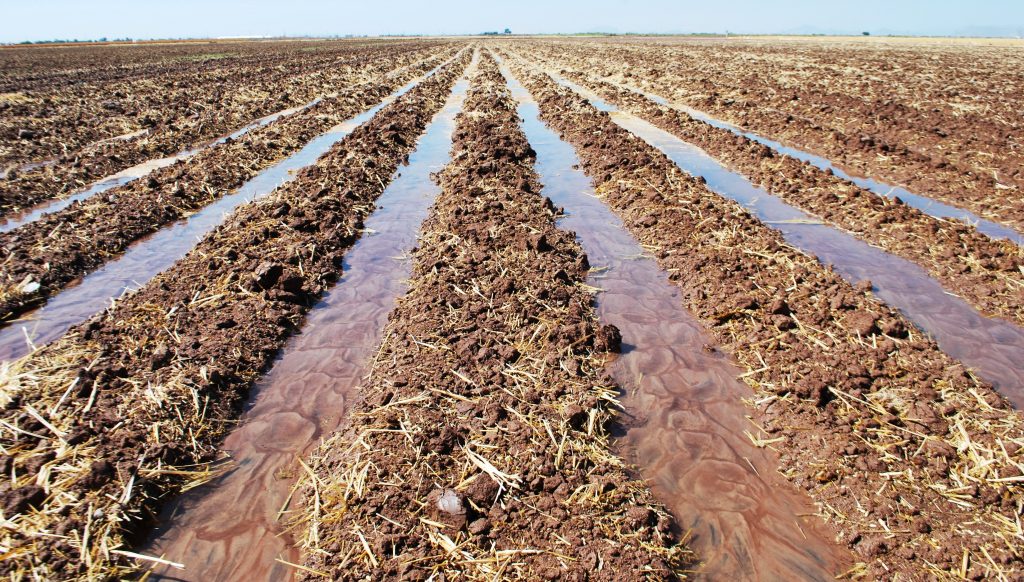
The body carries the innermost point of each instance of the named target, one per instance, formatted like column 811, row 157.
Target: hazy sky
column 90, row 19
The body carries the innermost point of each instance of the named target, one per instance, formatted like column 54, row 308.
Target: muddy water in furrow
column 686, row 420
column 922, row 203
column 151, row 255
column 135, row 172
column 231, row 529
column 993, row 348
column 138, row 171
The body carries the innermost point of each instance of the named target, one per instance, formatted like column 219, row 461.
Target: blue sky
column 47, row 19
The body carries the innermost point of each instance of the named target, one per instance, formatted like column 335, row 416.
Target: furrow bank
column 915, row 461
column 988, row 273
column 235, row 527
column 42, row 257
column 74, row 170
column 103, row 424
column 480, row 448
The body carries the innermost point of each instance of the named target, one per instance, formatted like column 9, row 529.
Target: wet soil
column 494, row 421
column 147, row 257
column 927, row 205
column 51, row 67
column 992, row 348
column 233, row 528
column 941, row 120
column 685, row 422
column 166, row 114
column 480, row 447
column 28, row 215
column 988, row 273
column 915, row 461
column 42, row 257
column 158, row 378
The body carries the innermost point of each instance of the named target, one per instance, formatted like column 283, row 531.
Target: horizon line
column 491, row 34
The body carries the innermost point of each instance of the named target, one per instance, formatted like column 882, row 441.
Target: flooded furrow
column 151, row 255
column 230, row 528
column 135, row 172
column 145, row 168
column 925, row 204
column 686, row 422
column 992, row 347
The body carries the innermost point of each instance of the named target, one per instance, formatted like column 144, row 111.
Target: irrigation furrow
column 989, row 274
column 685, row 417
column 120, row 412
column 29, row 215
column 993, row 348
column 231, row 528
column 916, row 462
column 480, row 448
column 927, row 205
column 142, row 260
column 44, row 256
column 106, row 163
column 956, row 148
column 164, row 114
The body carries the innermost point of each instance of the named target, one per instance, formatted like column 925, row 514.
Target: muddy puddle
column 149, row 256
column 135, row 172
column 993, row 348
column 685, row 418
column 231, row 529
column 923, row 203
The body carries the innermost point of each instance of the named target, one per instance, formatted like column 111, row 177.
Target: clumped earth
column 942, row 119
column 916, row 461
column 480, row 449
column 137, row 398
column 988, row 273
column 42, row 257
column 58, row 135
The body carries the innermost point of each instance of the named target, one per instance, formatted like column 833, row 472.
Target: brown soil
column 65, row 245
column 942, row 120
column 480, row 449
column 234, row 528
column 916, row 462
column 191, row 114
column 68, row 108
column 51, row 67
column 988, row 273
column 155, row 381
column 684, row 422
